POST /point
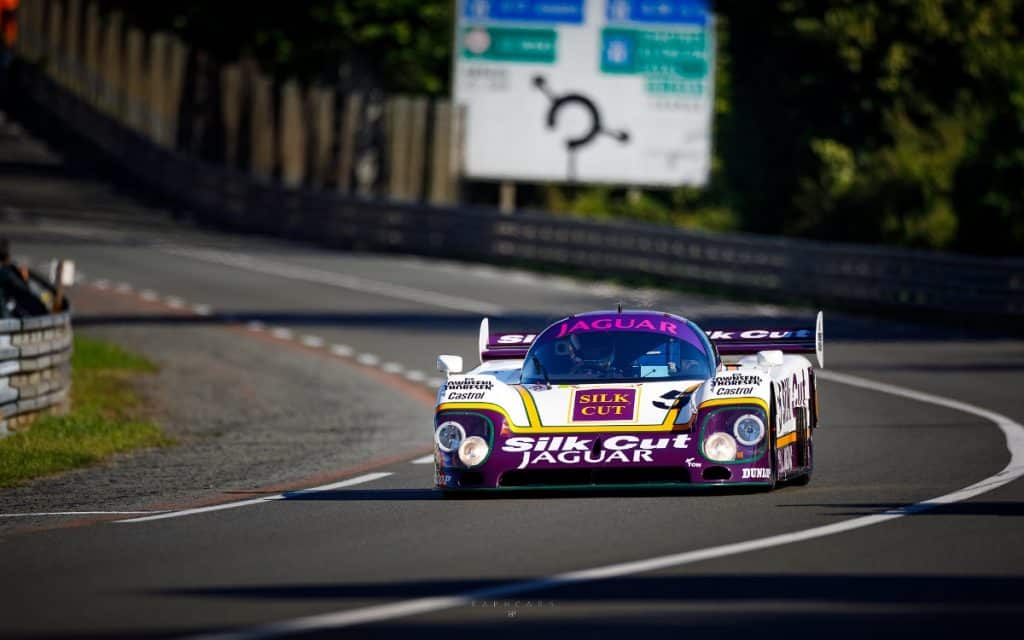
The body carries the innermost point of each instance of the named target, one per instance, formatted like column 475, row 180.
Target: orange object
column 8, row 23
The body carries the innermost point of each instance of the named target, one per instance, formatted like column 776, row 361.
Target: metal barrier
column 851, row 276
column 35, row 369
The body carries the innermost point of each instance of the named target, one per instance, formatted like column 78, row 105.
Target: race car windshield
column 614, row 356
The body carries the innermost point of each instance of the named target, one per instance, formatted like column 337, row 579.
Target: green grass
column 107, row 417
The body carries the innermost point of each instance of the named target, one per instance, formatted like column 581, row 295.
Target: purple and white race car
column 629, row 398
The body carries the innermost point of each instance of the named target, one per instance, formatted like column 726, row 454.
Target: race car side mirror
column 449, row 364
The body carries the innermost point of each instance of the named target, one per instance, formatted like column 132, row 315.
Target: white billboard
column 592, row 91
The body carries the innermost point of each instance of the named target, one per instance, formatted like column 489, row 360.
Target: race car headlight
column 748, row 429
column 720, row 447
column 473, row 451
column 449, row 436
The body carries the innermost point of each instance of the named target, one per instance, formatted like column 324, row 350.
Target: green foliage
column 898, row 121
column 106, row 418
column 893, row 121
column 397, row 45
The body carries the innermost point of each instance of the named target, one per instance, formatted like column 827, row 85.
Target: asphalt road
column 293, row 367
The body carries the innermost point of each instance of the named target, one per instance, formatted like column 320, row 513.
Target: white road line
column 415, row 376
column 368, row 359
column 174, row 302
column 149, row 295
column 338, row 280
column 202, row 309
column 282, row 334
column 74, row 513
column 1013, row 431
column 368, row 477
column 433, row 383
column 342, row 350
column 314, row 342
column 392, row 367
column 123, row 287
column 102, row 283
column 424, row 460
column 255, row 325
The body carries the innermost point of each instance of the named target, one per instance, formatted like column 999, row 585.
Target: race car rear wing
column 751, row 341
column 503, row 346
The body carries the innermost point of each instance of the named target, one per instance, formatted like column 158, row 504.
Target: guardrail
column 851, row 276
column 35, row 369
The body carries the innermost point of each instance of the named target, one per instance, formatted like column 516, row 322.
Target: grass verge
column 107, row 417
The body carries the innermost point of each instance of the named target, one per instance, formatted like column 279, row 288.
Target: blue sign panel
column 549, row 11
column 691, row 12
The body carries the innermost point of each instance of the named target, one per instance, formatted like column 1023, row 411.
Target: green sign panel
column 509, row 44
column 672, row 61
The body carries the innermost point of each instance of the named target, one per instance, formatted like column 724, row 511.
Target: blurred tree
column 870, row 120
column 397, row 45
column 895, row 121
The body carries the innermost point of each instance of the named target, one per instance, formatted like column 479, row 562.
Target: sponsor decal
column 757, row 474
column 737, row 384
column 791, row 398
column 757, row 334
column 784, row 458
column 579, row 450
column 692, row 463
column 515, row 338
column 603, row 405
column 469, row 384
column 465, row 395
column 577, row 325
column 667, row 400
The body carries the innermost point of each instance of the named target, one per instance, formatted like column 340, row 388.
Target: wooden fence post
column 415, row 158
column 320, row 102
column 442, row 178
column 398, row 123
column 176, row 59
column 347, row 141
column 156, row 83
column 52, row 46
column 261, row 125
column 293, row 135
column 91, row 57
column 72, row 51
column 231, row 110
column 135, row 79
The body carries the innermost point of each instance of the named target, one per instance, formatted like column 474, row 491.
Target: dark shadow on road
column 739, row 588
column 957, row 509
column 402, row 495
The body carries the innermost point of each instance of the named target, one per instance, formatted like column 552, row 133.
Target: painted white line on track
column 342, row 350
column 368, row 359
column 434, row 383
column 392, row 367
column 368, row 477
column 424, row 460
column 415, row 376
column 282, row 334
column 314, row 342
column 1013, row 431
column 255, row 326
column 75, row 513
column 174, row 302
column 338, row 280
column 123, row 287
column 149, row 295
column 202, row 309
column 102, row 283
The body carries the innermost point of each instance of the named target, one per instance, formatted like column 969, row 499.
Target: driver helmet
column 592, row 348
